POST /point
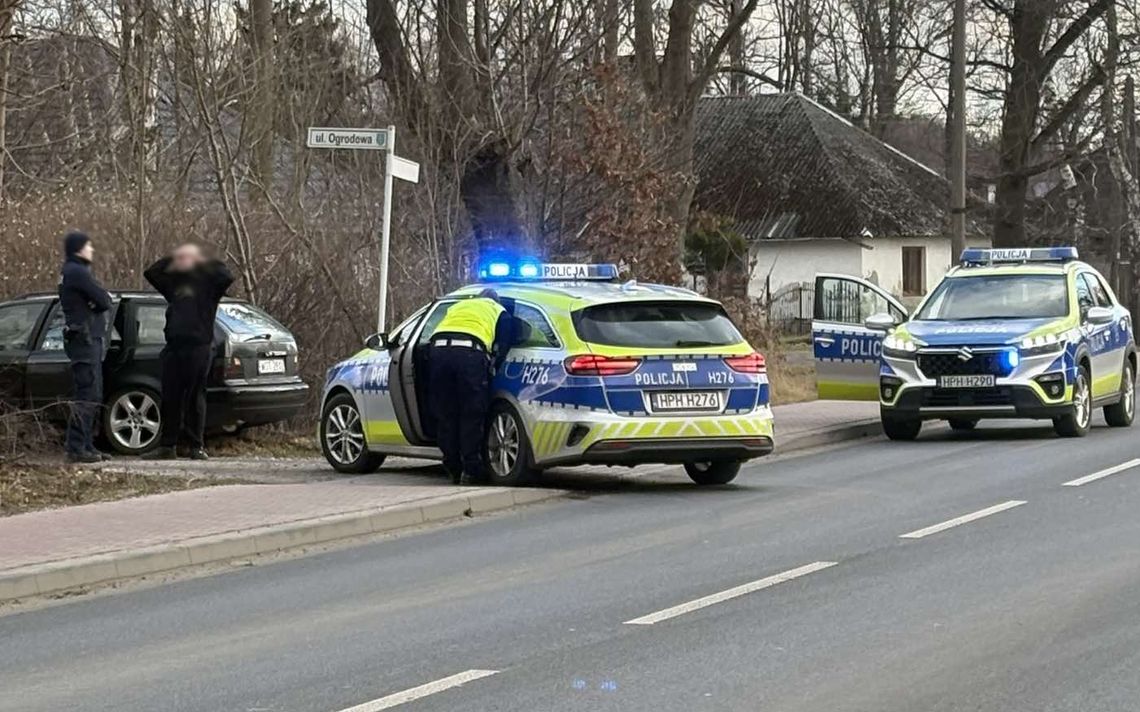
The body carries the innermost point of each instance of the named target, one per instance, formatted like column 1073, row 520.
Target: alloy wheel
column 1081, row 409
column 344, row 434
column 503, row 444
column 1129, row 397
column 134, row 420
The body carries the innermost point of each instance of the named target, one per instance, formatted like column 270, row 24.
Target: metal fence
column 790, row 309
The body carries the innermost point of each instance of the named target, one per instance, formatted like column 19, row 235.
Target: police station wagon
column 1025, row 333
column 600, row 372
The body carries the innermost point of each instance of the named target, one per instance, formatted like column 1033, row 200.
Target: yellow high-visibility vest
column 476, row 317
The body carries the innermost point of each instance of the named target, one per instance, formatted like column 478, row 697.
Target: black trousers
column 86, row 356
column 184, row 371
column 460, row 395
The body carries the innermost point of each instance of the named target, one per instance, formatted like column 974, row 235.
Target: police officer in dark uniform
column 467, row 348
column 85, row 304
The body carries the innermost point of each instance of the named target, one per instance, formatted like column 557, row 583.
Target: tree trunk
column 1019, row 120
column 263, row 103
column 489, row 188
column 7, row 10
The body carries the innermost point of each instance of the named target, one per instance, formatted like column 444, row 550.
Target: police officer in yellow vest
column 467, row 347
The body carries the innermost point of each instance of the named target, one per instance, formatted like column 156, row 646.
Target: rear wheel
column 716, row 472
column 1121, row 413
column 132, row 420
column 963, row 424
column 508, row 454
column 901, row 428
column 342, row 437
column 1076, row 423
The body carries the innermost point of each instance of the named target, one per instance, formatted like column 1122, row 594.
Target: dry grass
column 25, row 487
column 791, row 383
column 266, row 442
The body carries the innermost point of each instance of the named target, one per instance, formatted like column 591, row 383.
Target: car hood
column 989, row 332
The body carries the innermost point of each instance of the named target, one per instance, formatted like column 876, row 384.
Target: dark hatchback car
column 253, row 380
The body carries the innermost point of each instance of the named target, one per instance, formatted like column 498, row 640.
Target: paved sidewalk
column 306, row 503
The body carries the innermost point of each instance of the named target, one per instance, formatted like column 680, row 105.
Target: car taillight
column 234, row 368
column 752, row 363
column 592, row 365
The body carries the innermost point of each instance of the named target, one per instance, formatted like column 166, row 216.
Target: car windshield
column 653, row 325
column 1007, row 296
column 247, row 321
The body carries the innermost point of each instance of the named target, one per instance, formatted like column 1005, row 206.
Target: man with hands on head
column 193, row 286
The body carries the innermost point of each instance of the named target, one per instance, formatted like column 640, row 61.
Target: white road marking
column 1103, row 473
column 964, row 519
column 415, row 693
column 729, row 594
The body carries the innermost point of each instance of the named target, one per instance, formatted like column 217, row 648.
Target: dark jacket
column 83, row 300
column 191, row 299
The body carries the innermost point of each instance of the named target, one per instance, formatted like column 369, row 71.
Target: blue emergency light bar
column 1018, row 255
column 525, row 270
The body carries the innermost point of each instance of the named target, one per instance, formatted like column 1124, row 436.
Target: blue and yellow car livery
column 600, row 372
column 1023, row 333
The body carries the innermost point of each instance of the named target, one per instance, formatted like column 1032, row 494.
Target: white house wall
column 798, row 261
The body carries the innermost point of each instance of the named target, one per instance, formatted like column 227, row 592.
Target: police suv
column 599, row 372
column 1023, row 333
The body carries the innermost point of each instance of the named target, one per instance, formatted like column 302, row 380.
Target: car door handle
column 824, row 340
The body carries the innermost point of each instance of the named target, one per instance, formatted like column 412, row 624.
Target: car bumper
column 611, row 440
column 236, row 406
column 1008, row 401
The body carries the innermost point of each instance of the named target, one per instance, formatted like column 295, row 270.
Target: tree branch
column 1069, row 108
column 1071, row 35
column 701, row 80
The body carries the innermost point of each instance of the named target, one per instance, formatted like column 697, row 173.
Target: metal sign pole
column 385, row 235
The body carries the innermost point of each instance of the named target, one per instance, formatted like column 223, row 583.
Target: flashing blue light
column 528, row 270
column 976, row 256
column 498, row 269
column 1010, row 359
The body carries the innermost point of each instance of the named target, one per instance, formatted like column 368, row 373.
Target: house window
column 914, row 271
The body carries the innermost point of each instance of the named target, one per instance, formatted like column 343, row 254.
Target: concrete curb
column 828, row 436
column 60, row 576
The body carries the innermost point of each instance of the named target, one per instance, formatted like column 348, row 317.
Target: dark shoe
column 161, row 453
column 198, row 454
column 467, row 480
column 103, row 457
column 86, row 458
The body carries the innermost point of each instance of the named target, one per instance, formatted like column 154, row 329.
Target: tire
column 901, row 428
column 1120, row 414
column 717, row 472
column 1076, row 424
column 342, row 437
column 132, row 420
column 962, row 425
column 508, row 459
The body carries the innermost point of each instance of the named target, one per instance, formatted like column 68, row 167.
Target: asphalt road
column 794, row 590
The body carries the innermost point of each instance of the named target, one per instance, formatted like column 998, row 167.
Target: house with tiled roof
column 810, row 192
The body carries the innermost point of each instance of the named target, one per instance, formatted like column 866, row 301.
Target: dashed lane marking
column 415, row 693
column 1101, row 474
column 964, row 519
column 731, row 593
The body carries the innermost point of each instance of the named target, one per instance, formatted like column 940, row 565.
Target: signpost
column 394, row 167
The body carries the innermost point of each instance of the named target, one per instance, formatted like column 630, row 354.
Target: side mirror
column 377, row 342
column 1099, row 315
column 880, row 322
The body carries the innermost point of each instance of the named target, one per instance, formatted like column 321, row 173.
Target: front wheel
column 132, row 420
column 342, row 437
column 1121, row 413
column 508, row 453
column 901, row 428
column 716, row 472
column 1076, row 423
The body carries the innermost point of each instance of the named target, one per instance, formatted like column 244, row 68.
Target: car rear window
column 656, row 325
column 248, row 320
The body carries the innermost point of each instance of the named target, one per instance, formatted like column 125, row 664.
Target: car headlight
column 1041, row 346
column 898, row 347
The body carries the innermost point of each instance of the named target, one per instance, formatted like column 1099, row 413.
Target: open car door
column 846, row 351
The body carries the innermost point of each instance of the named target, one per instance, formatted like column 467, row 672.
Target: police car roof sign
column 551, row 272
column 1018, row 255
